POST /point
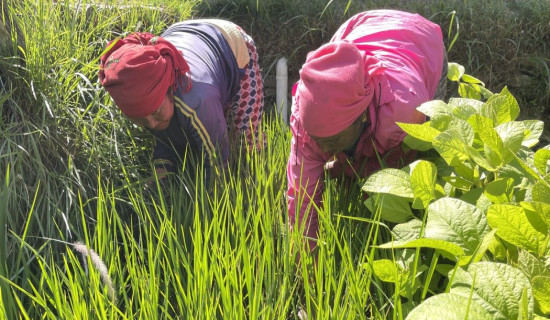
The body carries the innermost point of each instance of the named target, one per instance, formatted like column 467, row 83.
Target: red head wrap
column 138, row 70
column 333, row 89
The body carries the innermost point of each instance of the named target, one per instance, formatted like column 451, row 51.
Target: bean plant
column 472, row 217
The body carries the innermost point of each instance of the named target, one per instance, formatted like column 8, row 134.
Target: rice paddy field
column 88, row 232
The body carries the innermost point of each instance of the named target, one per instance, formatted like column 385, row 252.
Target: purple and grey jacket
column 199, row 124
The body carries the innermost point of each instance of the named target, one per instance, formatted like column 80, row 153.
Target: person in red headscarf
column 195, row 87
column 375, row 71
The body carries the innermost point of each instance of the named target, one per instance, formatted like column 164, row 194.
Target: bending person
column 195, row 87
column 375, row 71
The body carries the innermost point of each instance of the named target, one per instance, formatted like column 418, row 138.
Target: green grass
column 72, row 169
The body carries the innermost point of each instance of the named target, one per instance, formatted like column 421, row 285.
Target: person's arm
column 305, row 175
column 204, row 116
column 164, row 160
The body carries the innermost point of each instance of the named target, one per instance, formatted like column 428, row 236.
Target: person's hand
column 335, row 169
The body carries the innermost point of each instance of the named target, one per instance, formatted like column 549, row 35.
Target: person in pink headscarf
column 375, row 71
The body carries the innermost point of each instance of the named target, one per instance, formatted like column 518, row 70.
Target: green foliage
column 481, row 201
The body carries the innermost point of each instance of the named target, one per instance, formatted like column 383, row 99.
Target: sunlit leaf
column 441, row 121
column 423, row 176
column 533, row 130
column 448, row 306
column 501, row 107
column 541, row 190
column 541, row 160
column 512, row 135
column 541, row 291
column 469, row 90
column 391, row 181
column 465, row 104
column 422, row 132
column 392, row 208
column 469, row 79
column 450, row 146
column 513, row 226
column 386, row 270
column 417, row 144
column 542, row 209
column 497, row 287
column 407, row 231
column 455, row 71
column 531, row 265
column 464, row 111
column 500, row 190
column 456, row 221
column 435, row 107
column 446, row 247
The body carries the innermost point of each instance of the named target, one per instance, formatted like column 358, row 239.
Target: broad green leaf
column 423, row 176
column 497, row 287
column 529, row 172
column 541, row 190
column 464, row 112
column 444, row 246
column 493, row 156
column 531, row 265
column 422, row 132
column 407, row 231
column 500, row 190
column 445, row 268
column 486, row 93
column 417, row 144
column 536, row 220
column 390, row 181
column 456, row 221
column 541, row 291
column 472, row 196
column 434, row 107
column 448, row 306
column 392, row 208
column 542, row 209
column 512, row 170
column 533, row 130
column 479, row 159
column 541, row 160
column 513, row 226
column 386, row 270
column 467, row 171
column 463, row 129
column 493, row 145
column 469, row 90
column 465, row 103
column 501, row 107
column 497, row 249
column 458, row 182
column 441, row 121
column 469, row 79
column 455, row 71
column 512, row 135
column 451, row 147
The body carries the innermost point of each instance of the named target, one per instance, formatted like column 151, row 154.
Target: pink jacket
column 411, row 50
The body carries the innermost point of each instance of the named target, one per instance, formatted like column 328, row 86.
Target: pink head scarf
column 333, row 90
column 138, row 70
